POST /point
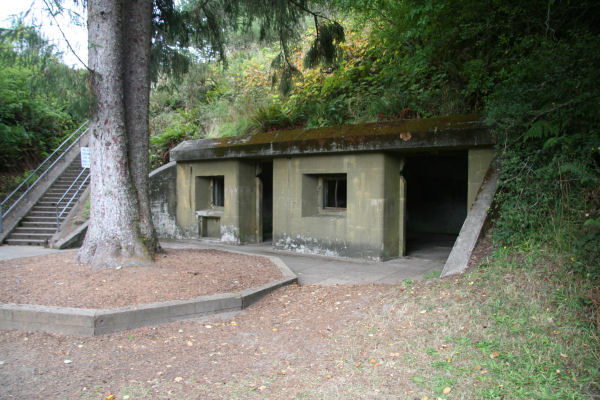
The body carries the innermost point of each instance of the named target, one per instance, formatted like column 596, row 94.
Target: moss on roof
column 450, row 131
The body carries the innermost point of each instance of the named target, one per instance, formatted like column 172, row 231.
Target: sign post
column 85, row 157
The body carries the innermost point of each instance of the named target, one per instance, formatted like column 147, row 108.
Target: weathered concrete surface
column 163, row 201
column 369, row 226
column 469, row 234
column 456, row 132
column 62, row 320
column 237, row 219
column 126, row 318
column 72, row 239
column 91, row 322
column 479, row 164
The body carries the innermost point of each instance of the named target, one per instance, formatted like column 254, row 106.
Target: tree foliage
column 41, row 99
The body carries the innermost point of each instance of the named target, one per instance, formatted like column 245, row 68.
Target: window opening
column 218, row 191
column 335, row 192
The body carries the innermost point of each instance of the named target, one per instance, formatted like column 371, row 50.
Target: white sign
column 85, row 157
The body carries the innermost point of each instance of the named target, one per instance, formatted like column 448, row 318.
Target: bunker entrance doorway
column 266, row 200
column 436, row 202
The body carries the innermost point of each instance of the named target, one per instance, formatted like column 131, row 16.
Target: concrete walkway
column 319, row 270
column 429, row 259
column 9, row 252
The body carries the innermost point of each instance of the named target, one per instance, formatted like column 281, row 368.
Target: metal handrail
column 82, row 130
column 58, row 216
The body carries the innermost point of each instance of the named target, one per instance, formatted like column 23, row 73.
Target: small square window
column 335, row 191
column 218, row 191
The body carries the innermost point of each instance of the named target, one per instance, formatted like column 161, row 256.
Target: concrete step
column 37, row 224
column 42, row 214
column 31, row 218
column 25, row 242
column 71, row 176
column 50, row 203
column 58, row 195
column 51, row 197
column 60, row 192
column 57, row 192
column 68, row 181
column 38, row 207
column 53, row 191
column 29, row 230
column 53, row 201
column 62, row 188
column 30, row 236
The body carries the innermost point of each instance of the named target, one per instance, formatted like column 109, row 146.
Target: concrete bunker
column 370, row 191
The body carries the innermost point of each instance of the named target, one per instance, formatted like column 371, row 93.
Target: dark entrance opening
column 436, row 207
column 266, row 177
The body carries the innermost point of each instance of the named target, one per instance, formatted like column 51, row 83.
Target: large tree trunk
column 113, row 236
column 136, row 42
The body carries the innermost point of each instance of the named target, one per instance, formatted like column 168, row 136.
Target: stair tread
column 26, row 242
column 33, row 230
column 30, row 235
column 40, row 223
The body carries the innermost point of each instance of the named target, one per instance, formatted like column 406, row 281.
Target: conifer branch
column 53, row 15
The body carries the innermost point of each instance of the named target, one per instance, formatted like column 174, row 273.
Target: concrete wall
column 373, row 225
column 369, row 226
column 163, row 201
column 479, row 163
column 236, row 220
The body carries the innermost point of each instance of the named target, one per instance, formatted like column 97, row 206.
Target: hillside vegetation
column 41, row 101
column 533, row 69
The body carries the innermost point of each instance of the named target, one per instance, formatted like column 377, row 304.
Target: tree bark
column 136, row 43
column 113, row 236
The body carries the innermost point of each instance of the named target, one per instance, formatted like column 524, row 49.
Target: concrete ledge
column 64, row 320
column 459, row 257
column 92, row 322
column 71, row 240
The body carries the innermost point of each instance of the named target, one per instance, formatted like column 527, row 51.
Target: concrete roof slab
column 452, row 132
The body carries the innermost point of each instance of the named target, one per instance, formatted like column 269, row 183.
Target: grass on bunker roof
column 510, row 328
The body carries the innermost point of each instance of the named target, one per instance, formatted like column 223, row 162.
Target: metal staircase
column 52, row 200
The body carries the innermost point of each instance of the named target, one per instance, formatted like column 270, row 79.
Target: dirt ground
column 335, row 342
column 57, row 280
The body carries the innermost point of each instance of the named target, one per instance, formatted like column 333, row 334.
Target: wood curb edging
column 93, row 322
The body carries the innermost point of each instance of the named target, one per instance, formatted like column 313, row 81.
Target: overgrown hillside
column 532, row 68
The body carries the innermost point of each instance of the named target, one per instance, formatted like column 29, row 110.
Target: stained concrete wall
column 237, row 218
column 367, row 229
column 163, row 201
column 479, row 163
